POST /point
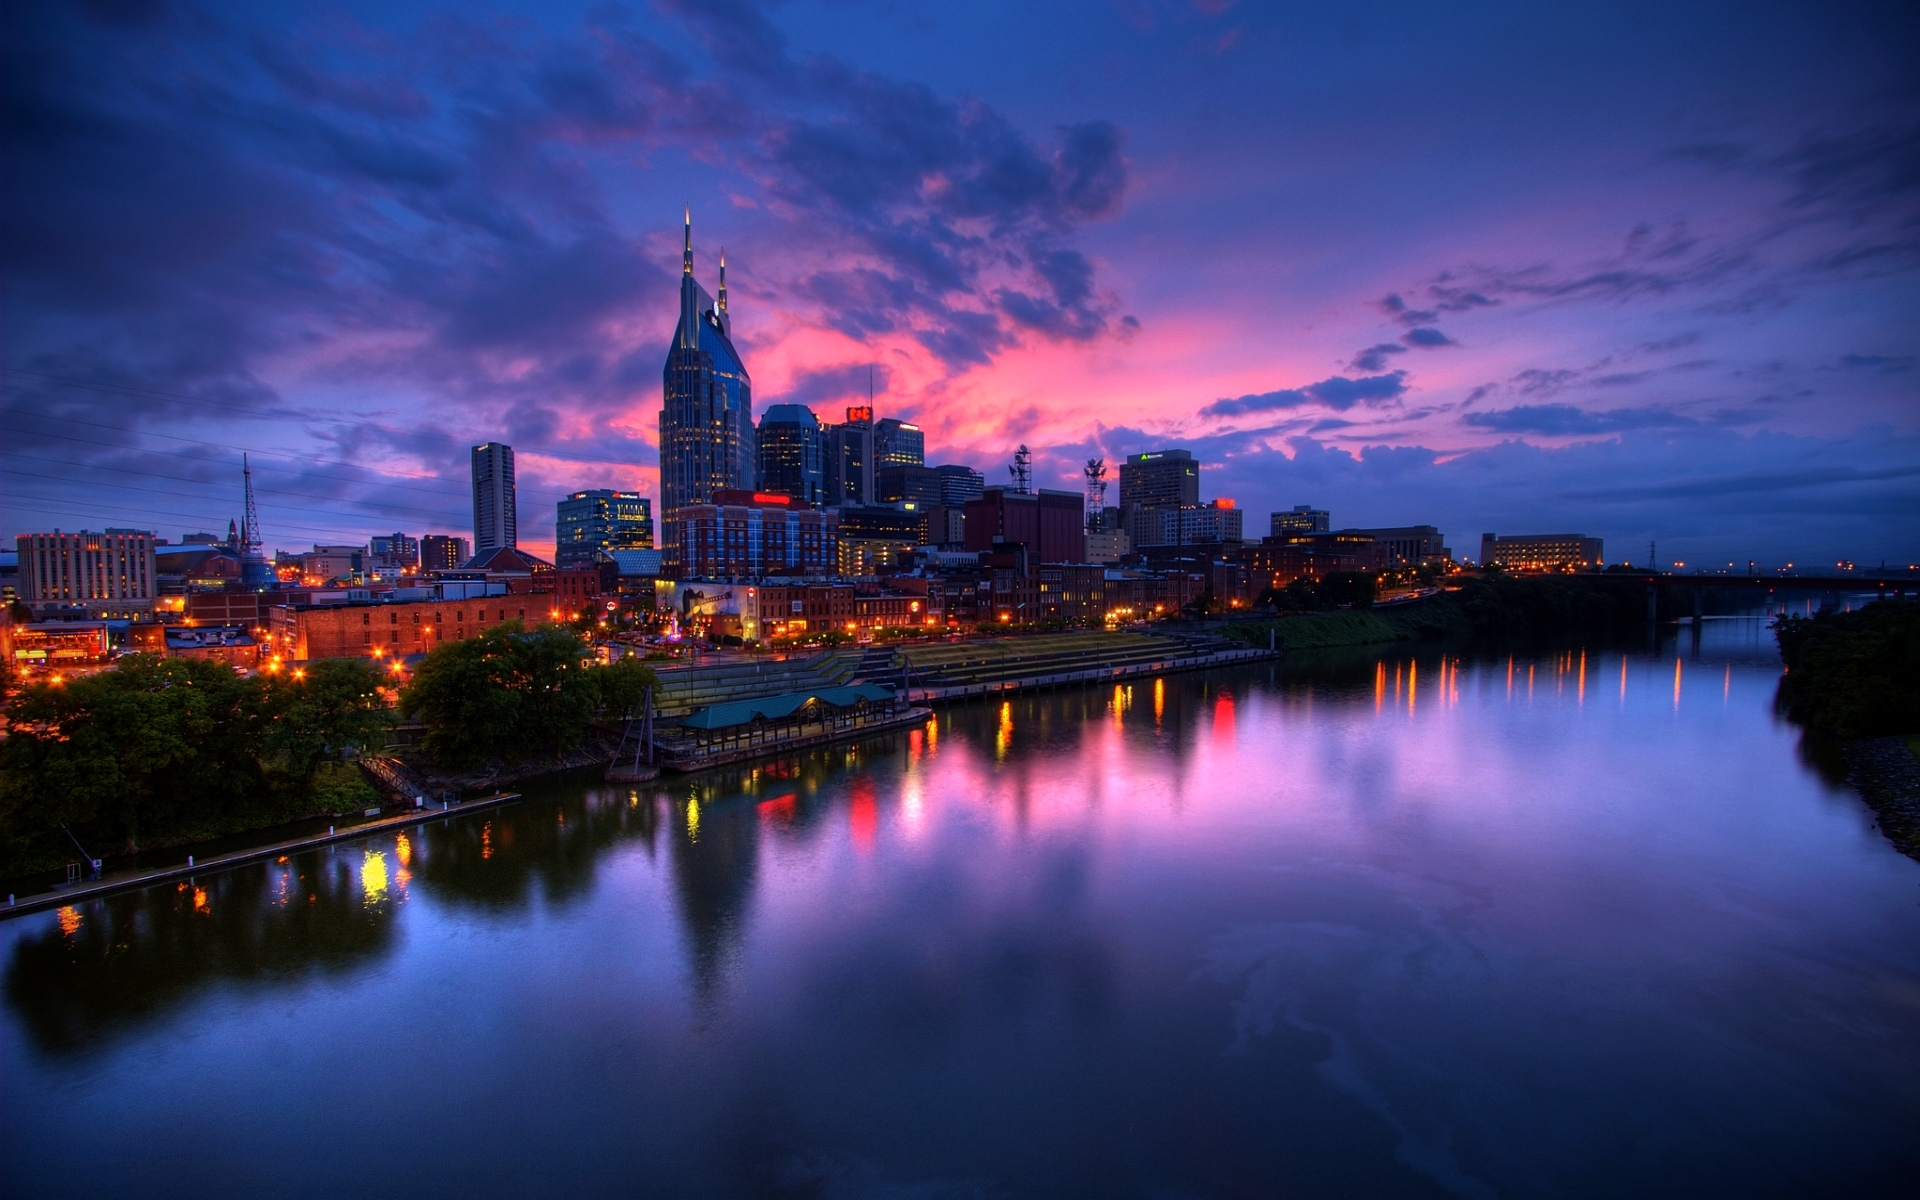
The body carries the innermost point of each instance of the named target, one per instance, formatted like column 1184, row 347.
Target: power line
column 431, row 435
column 133, row 487
column 60, row 505
column 381, row 480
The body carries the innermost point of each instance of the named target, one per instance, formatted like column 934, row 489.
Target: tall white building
column 110, row 574
column 495, row 518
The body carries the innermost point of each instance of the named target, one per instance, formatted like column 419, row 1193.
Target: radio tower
column 254, row 571
column 1022, row 470
column 1096, row 473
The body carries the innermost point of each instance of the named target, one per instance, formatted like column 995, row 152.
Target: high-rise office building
column 706, row 419
column 918, row 486
column 598, row 521
column 898, row 444
column 495, row 517
column 441, row 553
column 850, row 458
column 792, row 450
column 959, row 484
column 1160, row 479
column 1303, row 518
column 393, row 554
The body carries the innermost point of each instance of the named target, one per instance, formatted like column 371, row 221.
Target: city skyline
column 1678, row 310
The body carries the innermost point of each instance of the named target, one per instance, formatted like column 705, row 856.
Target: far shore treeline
column 159, row 752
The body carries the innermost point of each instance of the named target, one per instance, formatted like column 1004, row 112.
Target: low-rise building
column 231, row 644
column 1541, row 551
column 1406, row 546
column 50, row 645
column 309, row 631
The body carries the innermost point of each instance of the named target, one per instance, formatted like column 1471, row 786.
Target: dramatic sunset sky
column 1635, row 270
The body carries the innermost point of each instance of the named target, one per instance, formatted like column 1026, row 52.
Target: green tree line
column 164, row 750
column 160, row 751
column 511, row 694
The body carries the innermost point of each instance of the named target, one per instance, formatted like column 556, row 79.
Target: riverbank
column 1886, row 773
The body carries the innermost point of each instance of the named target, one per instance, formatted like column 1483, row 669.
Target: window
column 366, row 639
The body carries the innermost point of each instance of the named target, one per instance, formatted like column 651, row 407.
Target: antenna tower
column 1022, row 469
column 250, row 530
column 1096, row 473
column 254, row 571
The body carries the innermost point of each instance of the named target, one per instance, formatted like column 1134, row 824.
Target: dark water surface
column 1581, row 924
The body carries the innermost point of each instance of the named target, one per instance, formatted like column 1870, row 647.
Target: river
column 1572, row 922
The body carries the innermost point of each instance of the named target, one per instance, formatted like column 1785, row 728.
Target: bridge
column 1881, row 585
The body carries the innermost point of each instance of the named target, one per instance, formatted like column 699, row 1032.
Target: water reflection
column 112, row 964
column 1421, row 921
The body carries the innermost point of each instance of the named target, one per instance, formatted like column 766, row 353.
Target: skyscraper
column 600, row 520
column 1159, row 479
column 791, row 447
column 496, row 521
column 898, row 444
column 706, row 420
column 850, row 458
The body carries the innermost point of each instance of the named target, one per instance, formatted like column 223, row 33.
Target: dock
column 93, row 890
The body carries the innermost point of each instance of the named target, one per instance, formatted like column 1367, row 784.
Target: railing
column 1090, row 675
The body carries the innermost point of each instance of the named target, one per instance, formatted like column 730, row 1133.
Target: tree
column 505, row 692
column 621, row 686
column 333, row 710
column 155, row 747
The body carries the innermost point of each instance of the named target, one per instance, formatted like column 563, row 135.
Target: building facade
column 496, row 519
column 393, row 554
column 1047, row 523
column 898, row 444
column 442, row 553
column 1200, row 524
column 1541, row 551
column 110, row 574
column 850, row 459
column 706, row 417
column 922, row 487
column 1302, row 518
column 745, row 535
column 1406, row 546
column 792, row 451
column 1160, row 479
column 873, row 538
column 594, row 522
column 959, row 484
column 298, row 632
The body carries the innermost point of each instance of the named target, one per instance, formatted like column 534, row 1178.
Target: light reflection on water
column 1421, row 924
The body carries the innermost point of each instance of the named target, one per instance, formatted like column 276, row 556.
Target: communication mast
column 1096, row 473
column 1022, row 469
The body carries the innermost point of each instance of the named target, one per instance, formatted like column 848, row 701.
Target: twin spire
column 686, row 264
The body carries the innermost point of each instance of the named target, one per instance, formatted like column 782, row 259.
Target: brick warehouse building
column 298, row 631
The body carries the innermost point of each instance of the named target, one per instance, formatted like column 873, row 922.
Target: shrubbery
column 1854, row 674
